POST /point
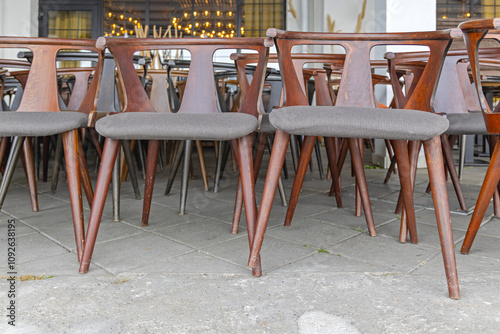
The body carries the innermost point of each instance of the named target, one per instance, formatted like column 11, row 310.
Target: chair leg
column 116, row 189
column 248, row 187
column 185, row 176
column 85, row 177
column 295, row 151
column 4, row 144
column 57, row 164
column 450, row 162
column 238, row 208
column 392, row 169
column 109, row 155
column 281, row 140
column 127, row 151
column 317, row 150
column 36, row 156
column 46, row 153
column 281, row 187
column 221, row 163
column 463, row 142
column 15, row 151
column 72, row 153
column 94, row 138
column 175, row 166
column 305, row 155
column 263, row 138
column 331, row 151
column 434, row 158
column 361, row 183
column 30, row 172
column 153, row 147
column 358, row 200
column 238, row 203
column 201, row 159
column 402, row 156
column 490, row 183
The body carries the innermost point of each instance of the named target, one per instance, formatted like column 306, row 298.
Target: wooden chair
column 198, row 118
column 474, row 32
column 355, row 115
column 39, row 114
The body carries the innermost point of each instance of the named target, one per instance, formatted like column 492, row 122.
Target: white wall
column 18, row 18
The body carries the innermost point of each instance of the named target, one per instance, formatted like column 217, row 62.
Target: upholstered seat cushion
column 471, row 123
column 145, row 125
column 20, row 123
column 356, row 122
column 265, row 125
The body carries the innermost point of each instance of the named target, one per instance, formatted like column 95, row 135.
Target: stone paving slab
column 188, row 274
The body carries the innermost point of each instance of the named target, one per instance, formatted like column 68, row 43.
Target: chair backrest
column 200, row 91
column 474, row 32
column 454, row 93
column 299, row 60
column 41, row 90
column 356, row 86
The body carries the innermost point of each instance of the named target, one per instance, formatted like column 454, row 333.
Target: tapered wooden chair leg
column 450, row 162
column 248, row 187
column 490, row 183
column 402, row 156
column 281, row 140
column 305, row 156
column 203, row 167
column 238, row 208
column 434, row 158
column 332, row 160
column 4, row 144
column 71, row 154
column 116, row 189
column 127, row 151
column 224, row 149
column 317, row 150
column 94, row 138
column 109, row 155
column 281, row 187
column 238, row 203
column 85, row 177
column 30, row 172
column 295, row 151
column 139, row 151
column 185, row 176
column 15, row 151
column 36, row 156
column 57, row 164
column 358, row 200
column 153, row 147
column 45, row 157
column 175, row 166
column 361, row 182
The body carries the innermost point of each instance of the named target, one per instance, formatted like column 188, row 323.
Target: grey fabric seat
column 356, row 122
column 156, row 126
column 471, row 123
column 19, row 123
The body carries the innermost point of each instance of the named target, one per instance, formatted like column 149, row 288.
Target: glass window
column 450, row 13
column 70, row 24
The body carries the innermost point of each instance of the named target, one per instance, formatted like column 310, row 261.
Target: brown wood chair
column 198, row 118
column 355, row 115
column 474, row 32
column 39, row 114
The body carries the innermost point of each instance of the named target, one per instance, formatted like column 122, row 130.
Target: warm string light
column 226, row 30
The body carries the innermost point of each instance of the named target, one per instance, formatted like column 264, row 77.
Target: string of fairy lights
column 205, row 23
